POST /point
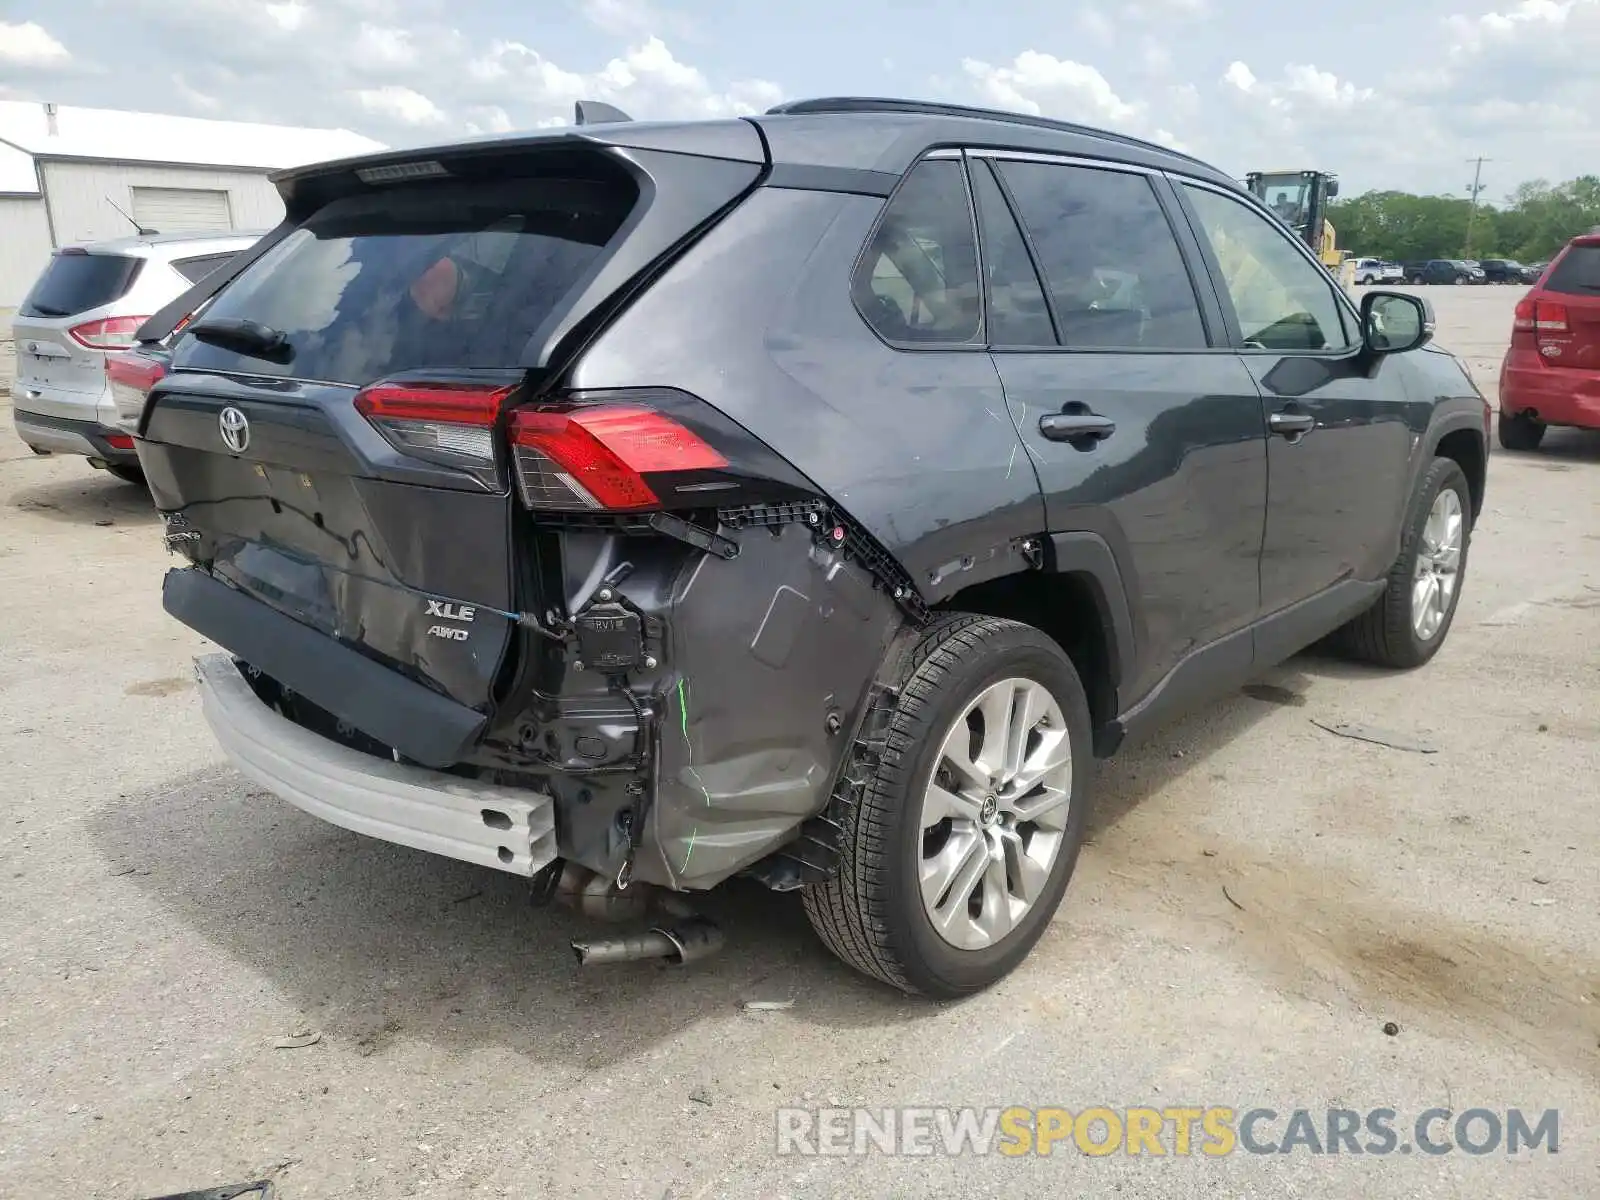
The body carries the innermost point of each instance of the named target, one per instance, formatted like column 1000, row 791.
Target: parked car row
column 1451, row 271
column 87, row 304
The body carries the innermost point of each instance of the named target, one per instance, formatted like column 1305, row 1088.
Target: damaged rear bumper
column 510, row 829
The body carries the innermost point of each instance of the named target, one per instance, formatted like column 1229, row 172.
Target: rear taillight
column 447, row 423
column 111, row 333
column 131, row 377
column 1541, row 324
column 597, row 458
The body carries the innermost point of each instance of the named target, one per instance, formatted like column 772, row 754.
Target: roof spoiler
column 593, row 112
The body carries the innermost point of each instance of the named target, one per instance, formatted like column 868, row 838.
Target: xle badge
column 450, row 611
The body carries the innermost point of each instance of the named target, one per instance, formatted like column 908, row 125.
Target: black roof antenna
column 593, row 112
column 143, row 232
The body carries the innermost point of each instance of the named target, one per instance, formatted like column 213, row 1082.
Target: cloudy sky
column 1386, row 95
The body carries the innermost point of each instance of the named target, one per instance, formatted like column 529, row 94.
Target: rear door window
column 76, row 281
column 443, row 277
column 1577, row 273
column 918, row 280
column 1111, row 264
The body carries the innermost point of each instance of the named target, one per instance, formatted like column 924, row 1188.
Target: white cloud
column 647, row 81
column 1044, row 85
column 1538, row 18
column 400, row 104
column 1240, row 76
column 30, row 45
column 289, row 15
column 1096, row 23
column 380, row 47
column 490, row 118
column 195, row 98
column 635, row 19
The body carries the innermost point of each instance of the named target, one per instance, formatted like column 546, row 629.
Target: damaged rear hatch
column 328, row 439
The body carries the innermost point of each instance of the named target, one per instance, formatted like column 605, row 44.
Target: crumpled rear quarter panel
column 765, row 649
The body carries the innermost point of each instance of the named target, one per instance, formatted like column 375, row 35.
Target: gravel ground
column 1258, row 899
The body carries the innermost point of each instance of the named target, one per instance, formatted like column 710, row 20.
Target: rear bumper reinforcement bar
column 510, row 829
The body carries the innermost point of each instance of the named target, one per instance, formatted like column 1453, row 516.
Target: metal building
column 65, row 173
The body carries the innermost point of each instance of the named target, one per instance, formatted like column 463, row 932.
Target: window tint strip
column 1006, row 252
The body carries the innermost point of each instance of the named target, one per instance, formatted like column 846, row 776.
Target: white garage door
column 182, row 210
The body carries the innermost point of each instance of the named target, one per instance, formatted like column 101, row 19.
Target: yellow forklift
column 1301, row 199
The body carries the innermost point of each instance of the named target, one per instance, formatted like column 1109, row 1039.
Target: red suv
column 1551, row 373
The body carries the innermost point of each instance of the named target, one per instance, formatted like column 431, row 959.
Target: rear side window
column 1577, row 273
column 918, row 280
column 197, row 268
column 1111, row 264
column 76, row 281
column 444, row 277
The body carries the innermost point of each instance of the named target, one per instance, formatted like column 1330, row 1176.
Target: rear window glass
column 75, row 283
column 444, row 277
column 196, row 269
column 1578, row 272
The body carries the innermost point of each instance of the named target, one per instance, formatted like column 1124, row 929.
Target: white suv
column 87, row 304
column 1376, row 270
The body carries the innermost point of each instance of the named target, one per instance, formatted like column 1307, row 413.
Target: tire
column 1386, row 634
column 872, row 914
column 1416, row 281
column 125, row 472
column 1520, row 432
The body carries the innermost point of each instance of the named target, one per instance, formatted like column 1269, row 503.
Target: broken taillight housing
column 449, row 423
column 131, row 376
column 597, row 458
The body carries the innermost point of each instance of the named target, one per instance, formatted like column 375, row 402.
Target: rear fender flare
column 1089, row 555
column 1447, row 420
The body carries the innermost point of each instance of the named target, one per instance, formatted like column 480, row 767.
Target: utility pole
column 1473, row 189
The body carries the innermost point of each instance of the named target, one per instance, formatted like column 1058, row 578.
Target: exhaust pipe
column 597, row 897
column 688, row 941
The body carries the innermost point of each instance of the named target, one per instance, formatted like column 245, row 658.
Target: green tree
column 1536, row 220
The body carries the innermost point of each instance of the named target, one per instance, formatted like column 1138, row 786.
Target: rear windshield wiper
column 244, row 337
column 44, row 310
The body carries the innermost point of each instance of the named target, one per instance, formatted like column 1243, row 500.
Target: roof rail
column 874, row 104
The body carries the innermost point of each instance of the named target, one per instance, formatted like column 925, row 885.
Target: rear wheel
column 968, row 828
column 125, row 472
column 1408, row 624
column 1520, row 432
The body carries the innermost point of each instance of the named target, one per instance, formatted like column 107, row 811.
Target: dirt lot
column 1259, row 898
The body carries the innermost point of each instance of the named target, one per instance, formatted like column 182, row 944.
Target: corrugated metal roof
column 112, row 134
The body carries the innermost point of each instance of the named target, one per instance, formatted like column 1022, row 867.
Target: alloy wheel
column 1438, row 572
column 994, row 813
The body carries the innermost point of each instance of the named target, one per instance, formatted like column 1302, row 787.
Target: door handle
column 1076, row 426
column 1291, row 424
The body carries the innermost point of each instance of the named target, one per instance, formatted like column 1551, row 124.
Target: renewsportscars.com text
column 1210, row 1132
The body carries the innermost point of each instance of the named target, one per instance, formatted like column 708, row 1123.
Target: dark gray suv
column 811, row 497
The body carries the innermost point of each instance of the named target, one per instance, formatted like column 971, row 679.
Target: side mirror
column 1394, row 322
column 1333, row 188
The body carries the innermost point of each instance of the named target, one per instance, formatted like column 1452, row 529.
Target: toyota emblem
column 235, row 427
